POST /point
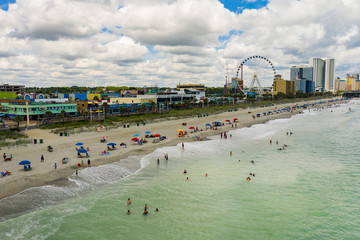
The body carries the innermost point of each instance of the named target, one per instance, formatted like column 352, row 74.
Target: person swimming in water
column 248, row 179
column 252, row 161
column 128, row 201
column 206, row 175
column 146, row 207
column 187, row 178
column 156, row 210
column 128, row 212
column 185, row 171
column 145, row 212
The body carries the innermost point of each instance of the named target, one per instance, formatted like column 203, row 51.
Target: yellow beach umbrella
column 180, row 130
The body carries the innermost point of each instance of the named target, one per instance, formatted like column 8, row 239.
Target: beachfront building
column 283, row 86
column 303, row 78
column 323, row 74
column 37, row 110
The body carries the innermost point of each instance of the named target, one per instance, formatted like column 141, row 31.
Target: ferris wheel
column 256, row 72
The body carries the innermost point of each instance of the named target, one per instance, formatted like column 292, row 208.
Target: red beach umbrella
column 227, row 120
column 157, row 135
column 191, row 128
column 134, row 139
column 235, row 119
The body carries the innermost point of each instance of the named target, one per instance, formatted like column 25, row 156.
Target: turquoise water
column 308, row 191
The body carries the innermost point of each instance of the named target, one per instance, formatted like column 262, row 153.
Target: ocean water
column 310, row 190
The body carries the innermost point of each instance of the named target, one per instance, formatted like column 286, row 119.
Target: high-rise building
column 329, row 74
column 324, row 74
column 303, row 77
column 319, row 73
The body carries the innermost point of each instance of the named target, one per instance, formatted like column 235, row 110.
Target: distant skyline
column 166, row 42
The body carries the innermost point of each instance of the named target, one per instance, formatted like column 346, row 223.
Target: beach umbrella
column 79, row 144
column 136, row 135
column 83, row 150
column 134, row 139
column 147, row 132
column 180, row 130
column 227, row 120
column 208, row 124
column 157, row 135
column 104, row 137
column 111, row 144
column 24, row 162
column 235, row 119
column 191, row 128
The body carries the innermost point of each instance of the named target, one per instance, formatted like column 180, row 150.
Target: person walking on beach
column 55, row 166
column 76, row 172
column 4, row 156
column 89, row 162
column 42, row 158
column 158, row 162
column 182, row 145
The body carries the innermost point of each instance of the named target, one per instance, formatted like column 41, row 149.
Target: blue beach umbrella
column 111, row 144
column 24, row 162
column 82, row 150
column 79, row 144
column 208, row 124
column 148, row 132
column 135, row 135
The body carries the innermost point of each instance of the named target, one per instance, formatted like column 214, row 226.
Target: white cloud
column 164, row 42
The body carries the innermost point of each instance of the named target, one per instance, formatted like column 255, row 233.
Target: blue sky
column 4, row 4
column 237, row 6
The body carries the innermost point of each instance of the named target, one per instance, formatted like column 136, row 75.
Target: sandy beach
column 44, row 173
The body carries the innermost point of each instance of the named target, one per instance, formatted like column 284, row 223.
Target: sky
column 163, row 43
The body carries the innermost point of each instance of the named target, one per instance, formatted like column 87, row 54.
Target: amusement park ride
column 256, row 74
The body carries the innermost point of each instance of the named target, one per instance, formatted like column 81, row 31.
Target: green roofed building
column 37, row 110
column 8, row 95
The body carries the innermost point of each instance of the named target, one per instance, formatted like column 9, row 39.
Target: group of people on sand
column 146, row 208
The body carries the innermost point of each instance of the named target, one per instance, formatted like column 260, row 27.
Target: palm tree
column 63, row 115
column 122, row 109
column 49, row 114
column 18, row 119
column 105, row 107
column 128, row 110
column 152, row 105
column 206, row 101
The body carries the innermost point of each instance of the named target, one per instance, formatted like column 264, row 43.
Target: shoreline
column 21, row 180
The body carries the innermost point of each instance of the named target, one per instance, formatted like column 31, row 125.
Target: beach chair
column 50, row 149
